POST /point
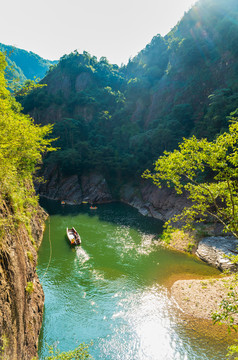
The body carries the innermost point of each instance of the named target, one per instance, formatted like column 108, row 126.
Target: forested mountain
column 24, row 65
column 120, row 120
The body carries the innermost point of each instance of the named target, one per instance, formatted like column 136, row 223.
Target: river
column 113, row 289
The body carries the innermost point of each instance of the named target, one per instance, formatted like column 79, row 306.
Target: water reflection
column 106, row 212
column 110, row 289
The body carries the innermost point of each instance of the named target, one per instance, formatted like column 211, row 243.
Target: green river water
column 113, row 289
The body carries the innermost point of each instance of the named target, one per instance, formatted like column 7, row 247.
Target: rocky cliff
column 217, row 251
column 93, row 187
column 21, row 295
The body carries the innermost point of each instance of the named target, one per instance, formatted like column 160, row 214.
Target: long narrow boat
column 73, row 236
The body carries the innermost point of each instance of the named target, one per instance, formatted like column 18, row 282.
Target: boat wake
column 81, row 255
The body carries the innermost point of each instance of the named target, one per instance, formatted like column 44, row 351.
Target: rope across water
column 50, row 253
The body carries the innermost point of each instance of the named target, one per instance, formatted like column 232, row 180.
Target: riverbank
column 196, row 297
column 93, row 187
column 117, row 277
column 201, row 298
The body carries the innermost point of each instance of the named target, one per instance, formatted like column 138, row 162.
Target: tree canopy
column 119, row 120
column 207, row 171
column 22, row 145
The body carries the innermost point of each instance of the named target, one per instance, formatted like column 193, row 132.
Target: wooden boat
column 73, row 236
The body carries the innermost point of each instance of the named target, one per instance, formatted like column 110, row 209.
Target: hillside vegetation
column 20, row 151
column 120, row 120
column 24, row 65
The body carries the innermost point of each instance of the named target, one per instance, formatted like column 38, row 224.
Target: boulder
column 215, row 249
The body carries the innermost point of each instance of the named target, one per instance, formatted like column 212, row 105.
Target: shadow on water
column 125, row 215
column 112, row 289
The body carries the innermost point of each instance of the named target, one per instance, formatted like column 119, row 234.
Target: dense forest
column 119, row 120
column 23, row 65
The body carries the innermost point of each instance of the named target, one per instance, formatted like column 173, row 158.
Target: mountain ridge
column 24, row 65
column 119, row 120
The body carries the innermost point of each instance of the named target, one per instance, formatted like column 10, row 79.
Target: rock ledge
column 215, row 249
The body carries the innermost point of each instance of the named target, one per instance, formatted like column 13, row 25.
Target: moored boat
column 73, row 236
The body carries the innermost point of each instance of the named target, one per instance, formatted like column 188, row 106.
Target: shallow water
column 112, row 289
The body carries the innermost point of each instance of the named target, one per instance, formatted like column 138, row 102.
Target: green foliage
column 4, row 346
column 233, row 351
column 80, row 353
column 178, row 239
column 228, row 309
column 30, row 287
column 27, row 87
column 22, row 144
column 166, row 235
column 221, row 103
column 185, row 168
column 30, row 256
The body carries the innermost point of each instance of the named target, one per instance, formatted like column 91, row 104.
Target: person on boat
column 93, row 207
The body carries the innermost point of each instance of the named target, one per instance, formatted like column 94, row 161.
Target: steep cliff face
column 21, row 295
column 73, row 189
column 93, row 187
column 161, row 203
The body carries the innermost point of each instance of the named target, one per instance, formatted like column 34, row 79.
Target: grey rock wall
column 215, row 249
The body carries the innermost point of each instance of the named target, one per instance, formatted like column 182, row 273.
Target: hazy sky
column 111, row 28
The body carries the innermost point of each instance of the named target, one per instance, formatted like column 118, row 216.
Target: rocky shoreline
column 201, row 298
column 147, row 198
column 192, row 296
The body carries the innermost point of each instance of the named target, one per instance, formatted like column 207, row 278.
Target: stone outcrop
column 151, row 201
column 215, row 249
column 95, row 188
column 21, row 295
column 92, row 187
column 73, row 190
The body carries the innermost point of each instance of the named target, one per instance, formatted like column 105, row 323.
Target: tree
column 26, row 88
column 207, row 171
column 22, row 145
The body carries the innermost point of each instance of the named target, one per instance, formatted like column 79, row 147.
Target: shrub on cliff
column 22, row 144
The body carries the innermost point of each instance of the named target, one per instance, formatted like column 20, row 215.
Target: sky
column 111, row 28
